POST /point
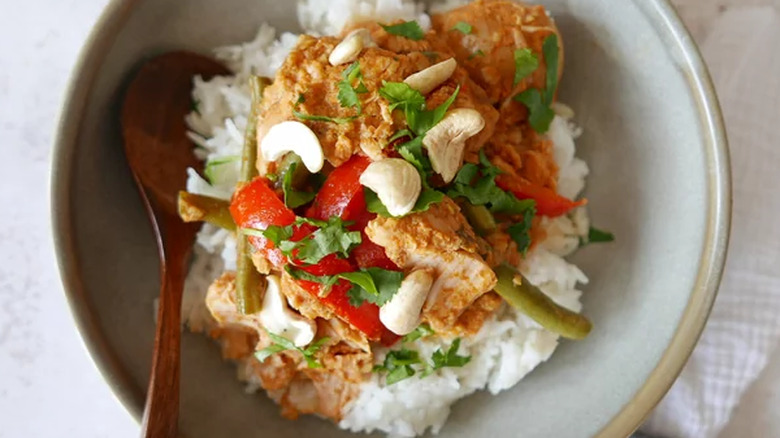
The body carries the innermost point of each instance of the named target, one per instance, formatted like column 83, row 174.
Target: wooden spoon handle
column 161, row 413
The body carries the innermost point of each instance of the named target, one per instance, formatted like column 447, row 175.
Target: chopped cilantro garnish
column 477, row 184
column 540, row 115
column 433, row 56
column 332, row 237
column 450, row 358
column 398, row 365
column 462, row 27
column 327, row 281
column 407, row 29
column 294, row 198
column 316, row 118
column 422, row 331
column 404, row 363
column 280, row 343
column 538, row 102
column 419, row 119
column 400, row 94
column 525, row 64
column 195, row 106
column 348, row 94
column 597, row 236
column 521, row 231
column 375, row 285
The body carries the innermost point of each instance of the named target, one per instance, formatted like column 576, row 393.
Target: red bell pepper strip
column 548, row 202
column 364, row 317
column 255, row 205
column 342, row 194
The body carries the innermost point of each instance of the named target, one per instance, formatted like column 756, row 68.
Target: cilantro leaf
column 450, row 358
column 375, row 285
column 462, row 27
column 540, row 115
column 404, row 363
column 401, row 94
column 331, row 238
column 521, row 231
column 407, row 29
column 317, row 118
column 538, row 102
column 338, row 120
column 525, row 64
column 599, row 236
column 428, row 197
column 477, row 184
column 550, row 52
column 280, row 343
column 398, row 365
column 294, row 198
column 422, row 331
column 274, row 233
column 348, row 95
column 420, row 122
column 300, row 274
column 412, row 151
column 400, row 134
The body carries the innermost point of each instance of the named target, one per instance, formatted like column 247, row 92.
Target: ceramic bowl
column 653, row 138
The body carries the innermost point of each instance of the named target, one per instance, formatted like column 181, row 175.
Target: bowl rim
column 631, row 415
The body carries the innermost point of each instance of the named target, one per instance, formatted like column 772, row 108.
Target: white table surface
column 48, row 385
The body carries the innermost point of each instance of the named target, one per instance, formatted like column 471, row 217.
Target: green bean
column 199, row 208
column 480, row 218
column 530, row 300
column 249, row 155
column 249, row 282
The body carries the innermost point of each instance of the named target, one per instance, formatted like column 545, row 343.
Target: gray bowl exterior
column 659, row 180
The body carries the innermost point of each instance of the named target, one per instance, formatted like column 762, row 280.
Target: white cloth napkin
column 743, row 53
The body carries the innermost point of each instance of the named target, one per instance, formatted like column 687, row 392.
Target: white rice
column 507, row 347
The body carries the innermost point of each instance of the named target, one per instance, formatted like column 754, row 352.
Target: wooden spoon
column 159, row 152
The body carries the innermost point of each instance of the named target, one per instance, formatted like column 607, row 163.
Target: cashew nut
column 426, row 80
column 401, row 315
column 292, row 136
column 350, row 47
column 280, row 320
column 396, row 182
column 275, row 316
column 447, row 139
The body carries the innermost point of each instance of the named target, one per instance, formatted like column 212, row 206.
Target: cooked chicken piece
column 471, row 320
column 397, row 43
column 302, row 300
column 499, row 27
column 307, row 73
column 442, row 240
column 517, row 149
column 337, row 329
column 221, row 302
column 472, row 96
